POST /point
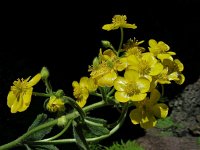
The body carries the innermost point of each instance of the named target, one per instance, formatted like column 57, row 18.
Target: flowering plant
column 129, row 77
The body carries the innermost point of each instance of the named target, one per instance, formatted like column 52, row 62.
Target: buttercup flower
column 148, row 110
column 19, row 97
column 82, row 90
column 147, row 66
column 160, row 50
column 55, row 104
column 118, row 21
column 131, row 87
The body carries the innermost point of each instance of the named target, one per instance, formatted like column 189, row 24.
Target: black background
column 66, row 36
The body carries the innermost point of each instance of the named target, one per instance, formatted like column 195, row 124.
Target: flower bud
column 95, row 62
column 59, row 93
column 106, row 44
column 62, row 121
column 44, row 73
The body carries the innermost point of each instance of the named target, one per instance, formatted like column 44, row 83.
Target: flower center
column 118, row 19
column 144, row 67
column 132, row 89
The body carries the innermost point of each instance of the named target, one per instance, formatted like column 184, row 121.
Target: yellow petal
column 138, row 97
column 121, row 96
column 26, row 99
column 16, row 106
column 156, row 69
column 143, row 85
column 165, row 56
column 107, row 79
column 132, row 26
column 11, row 98
column 181, row 79
column 131, row 75
column 160, row 110
column 34, row 80
column 148, row 121
column 120, row 84
column 154, row 96
column 135, row 116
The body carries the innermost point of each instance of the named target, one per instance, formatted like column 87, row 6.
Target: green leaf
column 79, row 136
column 94, row 131
column 43, row 147
column 165, row 123
column 40, row 119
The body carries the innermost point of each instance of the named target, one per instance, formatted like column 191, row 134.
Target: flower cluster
column 130, row 76
column 134, row 72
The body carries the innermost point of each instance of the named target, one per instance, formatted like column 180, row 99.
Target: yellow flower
column 55, row 104
column 19, row 97
column 175, row 69
column 132, row 48
column 147, row 66
column 160, row 50
column 131, row 87
column 148, row 111
column 118, row 21
column 104, row 72
column 82, row 90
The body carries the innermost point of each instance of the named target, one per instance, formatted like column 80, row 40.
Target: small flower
column 131, row 87
column 55, row 104
column 118, row 21
column 19, row 97
column 160, row 50
column 148, row 111
column 82, row 90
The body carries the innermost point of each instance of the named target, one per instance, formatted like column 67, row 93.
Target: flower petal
column 34, row 80
column 135, row 116
column 148, row 121
column 160, row 110
column 121, row 96
column 120, row 84
column 138, row 97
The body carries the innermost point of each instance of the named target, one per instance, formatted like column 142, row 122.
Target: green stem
column 41, row 94
column 19, row 141
column 60, row 133
column 121, row 40
column 63, row 141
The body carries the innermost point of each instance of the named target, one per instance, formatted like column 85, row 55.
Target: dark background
column 66, row 36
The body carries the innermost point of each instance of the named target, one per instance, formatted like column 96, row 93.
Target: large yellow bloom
column 131, row 87
column 147, row 66
column 82, row 90
column 118, row 21
column 148, row 110
column 19, row 97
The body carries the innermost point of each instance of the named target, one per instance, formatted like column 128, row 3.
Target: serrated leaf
column 78, row 135
column 40, row 119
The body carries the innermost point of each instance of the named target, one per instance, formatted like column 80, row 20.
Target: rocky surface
column 186, row 110
column 186, row 115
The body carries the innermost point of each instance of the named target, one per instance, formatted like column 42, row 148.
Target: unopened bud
column 62, row 121
column 106, row 44
column 95, row 62
column 44, row 73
